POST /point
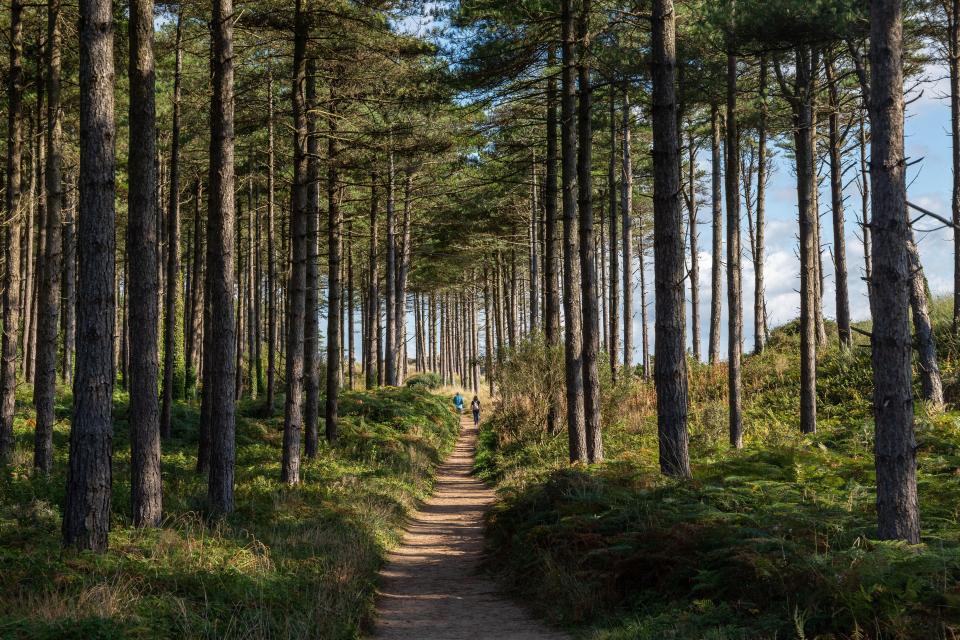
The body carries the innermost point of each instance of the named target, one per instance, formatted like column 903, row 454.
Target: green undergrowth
column 288, row 563
column 775, row 541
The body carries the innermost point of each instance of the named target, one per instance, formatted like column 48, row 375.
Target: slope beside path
column 431, row 587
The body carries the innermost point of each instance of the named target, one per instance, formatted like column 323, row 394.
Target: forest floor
column 777, row 540
column 290, row 562
column 432, row 587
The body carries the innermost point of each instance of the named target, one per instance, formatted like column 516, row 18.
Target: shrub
column 427, row 380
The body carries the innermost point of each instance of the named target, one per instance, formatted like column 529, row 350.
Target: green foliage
column 290, row 562
column 774, row 541
column 427, row 380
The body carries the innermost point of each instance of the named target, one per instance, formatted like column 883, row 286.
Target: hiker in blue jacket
column 458, row 402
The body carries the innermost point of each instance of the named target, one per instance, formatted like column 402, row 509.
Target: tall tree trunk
column 271, row 258
column 220, row 324
column 534, row 249
column 390, row 348
column 836, row 202
column 734, row 293
column 373, row 292
column 29, row 282
column 644, row 333
column 488, row 344
column 898, row 514
column 614, row 330
column 69, row 316
column 142, row 244
column 400, row 292
column 11, row 280
column 253, row 260
column 930, row 379
column 334, row 245
column 240, row 293
column 296, row 286
column 804, row 144
column 350, row 309
column 45, row 382
column 694, row 250
column 86, row 514
column 671, row 368
column 818, row 244
column 38, row 196
column 588, row 265
column 311, row 332
column 551, row 248
column 626, row 213
column 257, row 332
column 196, row 294
column 864, row 180
column 170, row 347
column 759, row 251
column 716, row 267
column 573, row 345
column 953, row 53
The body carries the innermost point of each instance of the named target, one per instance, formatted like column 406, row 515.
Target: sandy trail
column 431, row 588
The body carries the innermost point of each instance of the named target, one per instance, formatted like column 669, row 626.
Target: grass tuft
column 289, row 563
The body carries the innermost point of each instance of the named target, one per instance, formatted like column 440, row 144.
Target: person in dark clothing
column 475, row 407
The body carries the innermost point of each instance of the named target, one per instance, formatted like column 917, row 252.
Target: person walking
column 475, row 407
column 458, row 402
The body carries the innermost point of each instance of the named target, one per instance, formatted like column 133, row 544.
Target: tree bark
column 694, row 251
column 626, row 214
column 271, row 259
column 588, row 265
column 296, row 286
column 334, row 242
column 953, row 53
column 86, row 514
column 142, row 246
column 930, row 380
column 551, row 248
column 373, row 292
column 759, row 253
column 351, row 332
column 865, row 213
column 836, row 201
column 400, row 291
column 219, row 322
column 29, row 281
column 897, row 510
column 196, row 295
column 716, row 268
column 311, row 331
column 68, row 315
column 802, row 107
column 573, row 345
column 534, row 248
column 644, row 335
column 11, row 280
column 45, row 381
column 390, row 348
column 614, row 318
column 170, row 347
column 734, row 293
column 671, row 369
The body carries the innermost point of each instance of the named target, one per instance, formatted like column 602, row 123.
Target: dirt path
column 431, row 588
